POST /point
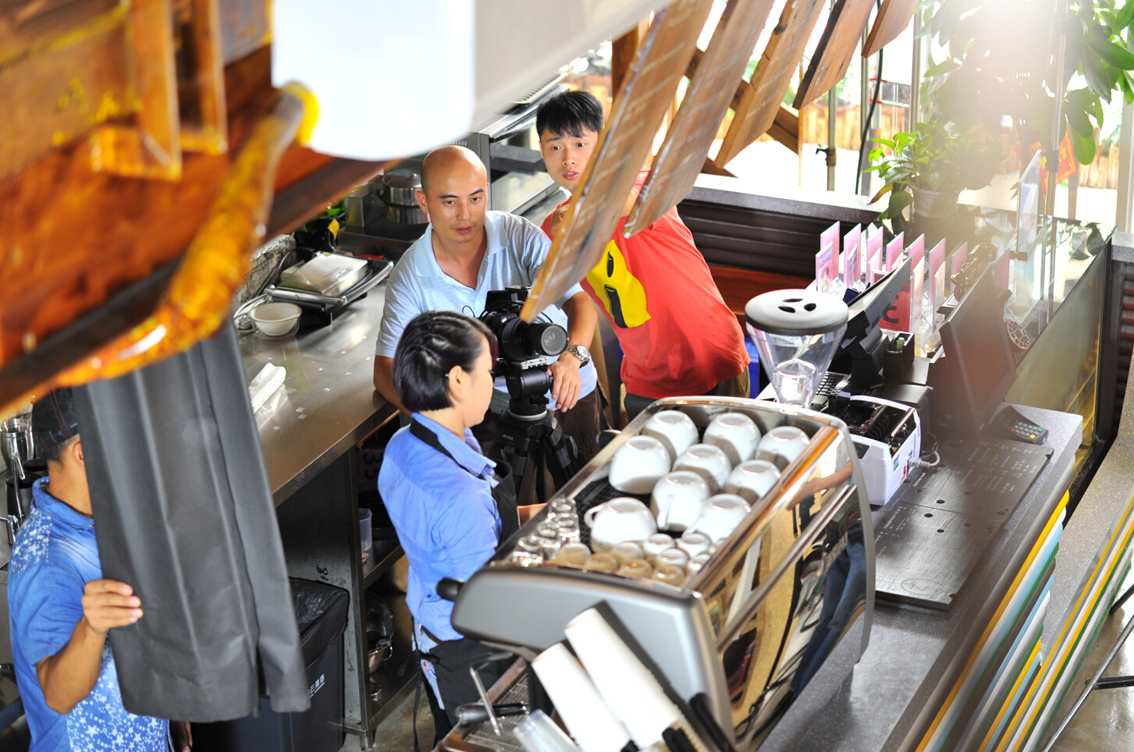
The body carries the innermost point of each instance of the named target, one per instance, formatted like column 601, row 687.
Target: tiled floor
column 395, row 734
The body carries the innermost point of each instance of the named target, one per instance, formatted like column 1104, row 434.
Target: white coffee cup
column 639, row 464
column 672, row 428
column 697, row 563
column 677, row 499
column 618, row 520
column 655, row 544
column 736, row 434
column 627, row 550
column 781, row 446
column 674, row 557
column 752, row 480
column 720, row 516
column 708, row 461
column 693, row 543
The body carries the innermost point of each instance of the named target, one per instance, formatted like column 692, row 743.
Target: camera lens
column 546, row 338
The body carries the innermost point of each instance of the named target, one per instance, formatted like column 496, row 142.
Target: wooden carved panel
column 708, row 98
column 60, row 78
column 765, row 93
column 622, row 149
column 836, row 48
column 892, row 20
column 151, row 147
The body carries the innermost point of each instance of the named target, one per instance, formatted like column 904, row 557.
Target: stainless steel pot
column 399, row 187
column 398, row 191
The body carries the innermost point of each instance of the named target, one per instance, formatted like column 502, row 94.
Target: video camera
column 525, row 350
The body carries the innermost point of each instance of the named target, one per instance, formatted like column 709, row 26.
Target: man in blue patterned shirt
column 61, row 608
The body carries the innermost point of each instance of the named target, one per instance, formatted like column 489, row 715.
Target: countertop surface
column 886, row 698
column 328, row 402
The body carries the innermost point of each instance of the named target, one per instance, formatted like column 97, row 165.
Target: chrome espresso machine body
column 755, row 624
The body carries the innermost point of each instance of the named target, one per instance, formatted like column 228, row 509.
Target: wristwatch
column 580, row 352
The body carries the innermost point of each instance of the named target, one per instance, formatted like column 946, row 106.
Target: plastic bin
column 321, row 614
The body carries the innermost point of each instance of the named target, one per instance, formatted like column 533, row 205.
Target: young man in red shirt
column 678, row 337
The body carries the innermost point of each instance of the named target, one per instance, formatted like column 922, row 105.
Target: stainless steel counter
column 330, row 402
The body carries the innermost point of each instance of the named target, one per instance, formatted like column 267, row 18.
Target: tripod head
column 525, row 350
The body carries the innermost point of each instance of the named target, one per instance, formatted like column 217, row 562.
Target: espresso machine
column 18, row 451
column 745, row 634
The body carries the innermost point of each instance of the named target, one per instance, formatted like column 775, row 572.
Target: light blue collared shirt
column 516, row 250
column 444, row 513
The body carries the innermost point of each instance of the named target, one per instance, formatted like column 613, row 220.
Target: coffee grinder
column 18, row 451
column 796, row 333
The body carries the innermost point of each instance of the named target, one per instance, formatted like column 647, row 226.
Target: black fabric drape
column 184, row 514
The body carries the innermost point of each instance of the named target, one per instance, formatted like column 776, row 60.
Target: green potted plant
column 924, row 170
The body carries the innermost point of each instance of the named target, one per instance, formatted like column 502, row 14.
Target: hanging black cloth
column 504, row 493
column 184, row 514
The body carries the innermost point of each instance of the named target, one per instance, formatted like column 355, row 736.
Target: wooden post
column 622, row 55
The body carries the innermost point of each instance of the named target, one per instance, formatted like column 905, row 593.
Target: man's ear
column 76, row 451
column 419, row 196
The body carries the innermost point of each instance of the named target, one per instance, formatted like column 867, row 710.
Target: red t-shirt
column 678, row 337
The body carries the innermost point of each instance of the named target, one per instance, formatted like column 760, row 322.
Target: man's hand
column 108, row 604
column 69, row 676
column 557, row 217
column 182, row 736
column 566, row 383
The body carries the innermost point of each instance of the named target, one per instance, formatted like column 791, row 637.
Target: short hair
column 431, row 344
column 54, row 423
column 569, row 113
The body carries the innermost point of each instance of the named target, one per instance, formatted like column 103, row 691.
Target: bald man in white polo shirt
column 466, row 252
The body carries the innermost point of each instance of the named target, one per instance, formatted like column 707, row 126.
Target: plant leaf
column 1114, row 54
column 1124, row 16
column 885, row 189
column 1083, row 147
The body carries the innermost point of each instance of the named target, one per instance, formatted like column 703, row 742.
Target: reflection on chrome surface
column 750, row 629
column 789, row 587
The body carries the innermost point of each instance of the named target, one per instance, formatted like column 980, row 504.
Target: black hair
column 431, row 344
column 569, row 113
column 54, row 423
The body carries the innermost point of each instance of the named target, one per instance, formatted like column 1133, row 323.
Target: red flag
column 1067, row 164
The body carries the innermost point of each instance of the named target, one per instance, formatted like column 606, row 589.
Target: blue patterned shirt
column 55, row 556
column 516, row 250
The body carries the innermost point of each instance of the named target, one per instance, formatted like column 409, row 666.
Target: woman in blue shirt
column 445, row 501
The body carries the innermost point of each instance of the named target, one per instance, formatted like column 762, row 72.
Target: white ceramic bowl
column 752, row 480
column 275, row 319
column 781, row 446
column 720, row 516
column 639, row 464
column 677, row 499
column 736, row 434
column 708, row 461
column 673, row 428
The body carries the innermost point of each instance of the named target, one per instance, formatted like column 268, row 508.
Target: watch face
column 581, row 353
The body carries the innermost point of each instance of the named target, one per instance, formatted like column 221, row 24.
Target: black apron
column 504, row 494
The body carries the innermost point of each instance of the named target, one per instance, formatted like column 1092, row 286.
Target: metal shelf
column 383, row 556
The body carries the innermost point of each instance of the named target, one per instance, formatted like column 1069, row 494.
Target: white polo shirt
column 516, row 250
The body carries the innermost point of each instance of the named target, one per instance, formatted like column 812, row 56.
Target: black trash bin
column 321, row 614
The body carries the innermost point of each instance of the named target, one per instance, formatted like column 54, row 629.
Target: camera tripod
column 529, row 431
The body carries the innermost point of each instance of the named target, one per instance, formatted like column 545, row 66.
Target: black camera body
column 525, row 350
